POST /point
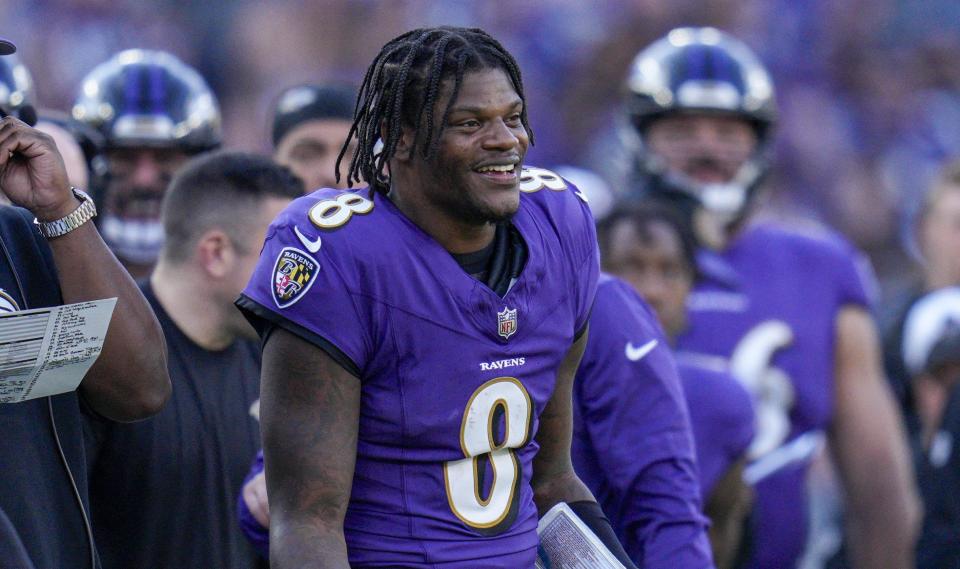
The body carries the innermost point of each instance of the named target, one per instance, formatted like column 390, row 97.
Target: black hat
column 931, row 332
column 7, row 47
column 311, row 102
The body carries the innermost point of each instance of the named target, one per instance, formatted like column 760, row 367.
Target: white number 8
column 535, row 179
column 330, row 214
column 463, row 477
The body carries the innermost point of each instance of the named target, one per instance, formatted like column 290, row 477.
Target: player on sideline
column 788, row 309
column 154, row 113
column 421, row 336
column 651, row 249
column 632, row 439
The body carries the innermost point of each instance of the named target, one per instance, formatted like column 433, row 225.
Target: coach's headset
column 16, row 102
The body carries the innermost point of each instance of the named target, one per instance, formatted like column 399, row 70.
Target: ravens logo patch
column 293, row 274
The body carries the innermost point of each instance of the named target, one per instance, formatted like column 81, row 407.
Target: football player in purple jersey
column 649, row 247
column 154, row 112
column 788, row 309
column 632, row 441
column 421, row 335
column 310, row 125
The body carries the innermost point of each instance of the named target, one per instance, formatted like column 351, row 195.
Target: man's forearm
column 565, row 487
column 129, row 380
column 883, row 530
column 306, row 546
column 870, row 451
column 307, row 401
column 880, row 544
column 727, row 507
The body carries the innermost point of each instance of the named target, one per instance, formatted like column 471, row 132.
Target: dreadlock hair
column 401, row 88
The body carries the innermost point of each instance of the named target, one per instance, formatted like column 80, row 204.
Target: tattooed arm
column 310, row 408
column 553, row 477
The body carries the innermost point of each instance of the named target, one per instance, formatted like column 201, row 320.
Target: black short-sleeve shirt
column 163, row 490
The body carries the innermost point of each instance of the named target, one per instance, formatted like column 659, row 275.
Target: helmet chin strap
column 712, row 210
column 724, row 200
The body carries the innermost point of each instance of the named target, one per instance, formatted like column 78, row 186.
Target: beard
column 131, row 224
column 456, row 194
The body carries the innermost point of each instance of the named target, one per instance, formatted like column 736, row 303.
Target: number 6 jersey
column 453, row 376
column 768, row 304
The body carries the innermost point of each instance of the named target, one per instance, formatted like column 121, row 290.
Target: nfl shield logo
column 507, row 322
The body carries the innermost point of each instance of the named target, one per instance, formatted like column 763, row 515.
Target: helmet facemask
column 729, row 200
column 147, row 102
column 702, row 71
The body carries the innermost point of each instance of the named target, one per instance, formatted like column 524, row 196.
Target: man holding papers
column 50, row 255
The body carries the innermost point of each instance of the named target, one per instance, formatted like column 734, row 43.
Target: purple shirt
column 632, row 443
column 768, row 305
column 454, row 378
column 721, row 414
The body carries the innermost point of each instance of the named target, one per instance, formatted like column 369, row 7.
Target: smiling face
column 474, row 177
column 130, row 224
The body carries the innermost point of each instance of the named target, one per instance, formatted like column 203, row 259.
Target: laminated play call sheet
column 47, row 351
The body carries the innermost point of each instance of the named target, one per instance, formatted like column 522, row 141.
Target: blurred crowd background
column 869, row 90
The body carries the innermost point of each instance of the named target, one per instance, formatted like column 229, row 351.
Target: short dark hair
column 642, row 216
column 220, row 190
column 401, row 88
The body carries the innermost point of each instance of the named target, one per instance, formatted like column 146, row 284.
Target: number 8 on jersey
column 506, row 397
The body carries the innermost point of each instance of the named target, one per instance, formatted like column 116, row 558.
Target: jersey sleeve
column 854, row 278
column 631, row 406
column 621, row 330
column 308, row 294
column 563, row 212
column 739, row 424
column 588, row 273
column 588, row 251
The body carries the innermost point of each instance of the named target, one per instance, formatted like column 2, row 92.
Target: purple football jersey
column 721, row 414
column 632, row 443
column 454, row 378
column 768, row 305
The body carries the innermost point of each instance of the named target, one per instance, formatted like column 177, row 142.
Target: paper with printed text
column 47, row 351
column 567, row 543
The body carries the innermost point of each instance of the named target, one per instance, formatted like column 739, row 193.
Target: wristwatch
column 71, row 221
